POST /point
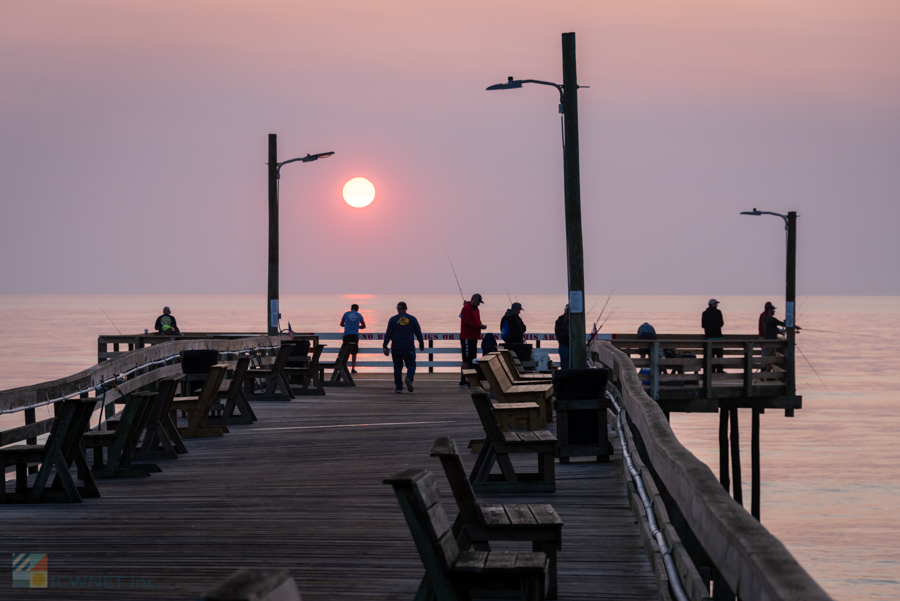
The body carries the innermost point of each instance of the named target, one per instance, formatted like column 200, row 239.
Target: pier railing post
column 654, row 370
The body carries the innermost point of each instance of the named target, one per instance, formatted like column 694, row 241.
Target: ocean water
column 830, row 474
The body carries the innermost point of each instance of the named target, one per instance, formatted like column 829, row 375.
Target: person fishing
column 352, row 322
column 561, row 329
column 712, row 322
column 772, row 328
column 470, row 328
column 166, row 324
column 512, row 328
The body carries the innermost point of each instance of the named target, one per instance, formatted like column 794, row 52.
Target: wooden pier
column 301, row 489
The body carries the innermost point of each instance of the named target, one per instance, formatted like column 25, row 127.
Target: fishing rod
column 110, row 320
column 611, row 313
column 814, row 369
column 457, row 279
column 507, row 296
column 604, row 305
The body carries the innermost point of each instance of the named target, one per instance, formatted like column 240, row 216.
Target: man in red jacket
column 470, row 327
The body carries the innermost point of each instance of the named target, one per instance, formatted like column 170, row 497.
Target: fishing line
column 611, row 313
column 814, row 369
column 110, row 320
column 604, row 305
column 457, row 279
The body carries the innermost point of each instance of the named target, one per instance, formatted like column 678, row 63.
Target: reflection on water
column 830, row 474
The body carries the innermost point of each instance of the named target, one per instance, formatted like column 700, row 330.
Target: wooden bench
column 62, row 447
column 452, row 574
column 517, row 374
column 198, row 407
column 508, row 392
column 512, row 416
column 255, row 585
column 274, row 377
column 161, row 438
column 478, row 523
column 121, row 441
column 307, row 376
column 233, row 398
column 340, row 374
column 496, row 450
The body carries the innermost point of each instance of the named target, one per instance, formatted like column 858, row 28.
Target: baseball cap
column 477, row 297
column 401, row 305
column 517, row 306
column 713, row 301
column 770, row 306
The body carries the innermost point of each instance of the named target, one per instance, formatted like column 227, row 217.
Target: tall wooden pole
column 272, row 297
column 790, row 296
column 754, row 465
column 574, row 245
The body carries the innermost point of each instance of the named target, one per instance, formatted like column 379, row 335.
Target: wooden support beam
column 754, row 467
column 723, row 448
column 736, row 457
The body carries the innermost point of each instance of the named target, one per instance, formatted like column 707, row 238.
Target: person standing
column 512, row 328
column 772, row 327
column 166, row 324
column 470, row 327
column 561, row 329
column 712, row 322
column 762, row 320
column 353, row 322
column 402, row 331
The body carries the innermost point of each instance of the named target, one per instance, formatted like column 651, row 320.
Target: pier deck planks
column 301, row 489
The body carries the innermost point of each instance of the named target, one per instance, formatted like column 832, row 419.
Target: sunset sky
column 133, row 145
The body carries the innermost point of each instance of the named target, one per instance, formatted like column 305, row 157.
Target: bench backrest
column 486, row 413
column 496, row 377
column 212, row 383
column 420, row 500
column 444, row 448
column 506, row 357
column 237, row 377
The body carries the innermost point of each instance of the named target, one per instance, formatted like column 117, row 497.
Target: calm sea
column 830, row 474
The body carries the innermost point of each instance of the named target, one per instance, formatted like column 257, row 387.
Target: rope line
column 664, row 549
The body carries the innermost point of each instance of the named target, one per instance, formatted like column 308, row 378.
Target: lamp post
column 568, row 106
column 790, row 292
column 274, row 177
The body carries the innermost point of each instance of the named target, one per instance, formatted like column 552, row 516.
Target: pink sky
column 133, row 145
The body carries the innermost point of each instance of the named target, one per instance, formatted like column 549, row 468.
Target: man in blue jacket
column 402, row 331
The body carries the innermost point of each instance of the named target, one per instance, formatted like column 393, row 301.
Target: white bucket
column 542, row 358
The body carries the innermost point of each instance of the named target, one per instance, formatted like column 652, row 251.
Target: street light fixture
column 568, row 107
column 790, row 292
column 274, row 181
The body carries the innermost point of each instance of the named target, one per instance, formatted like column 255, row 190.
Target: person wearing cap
column 402, row 331
column 712, row 323
column 470, row 327
column 762, row 319
column 165, row 323
column 770, row 331
column 515, row 327
column 561, row 329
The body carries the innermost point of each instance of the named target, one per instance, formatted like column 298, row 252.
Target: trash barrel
column 195, row 365
column 581, row 413
column 522, row 350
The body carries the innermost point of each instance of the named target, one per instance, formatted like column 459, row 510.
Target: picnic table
column 62, row 448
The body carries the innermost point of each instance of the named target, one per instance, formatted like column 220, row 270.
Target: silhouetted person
column 470, row 327
column 353, row 322
column 402, row 331
column 712, row 323
column 166, row 324
column 514, row 333
column 561, row 329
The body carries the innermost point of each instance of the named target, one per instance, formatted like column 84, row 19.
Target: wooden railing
column 717, row 533
column 130, row 372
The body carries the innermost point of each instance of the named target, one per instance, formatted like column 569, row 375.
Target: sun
column 359, row 192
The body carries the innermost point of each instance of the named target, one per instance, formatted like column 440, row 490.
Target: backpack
column 504, row 331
